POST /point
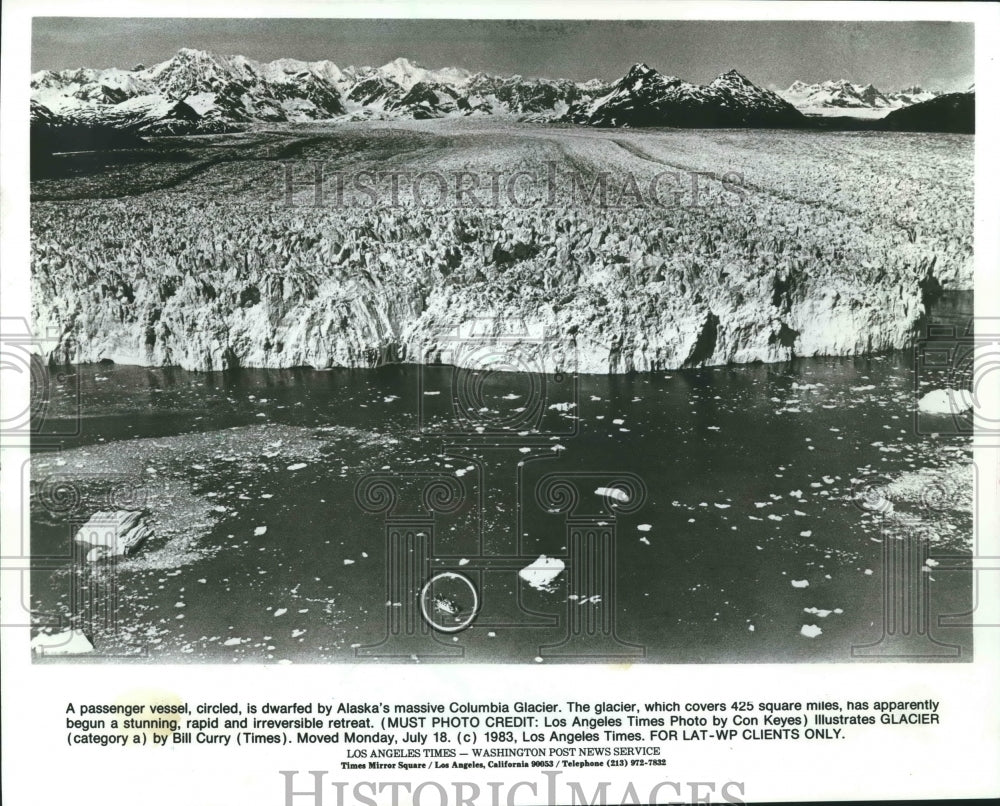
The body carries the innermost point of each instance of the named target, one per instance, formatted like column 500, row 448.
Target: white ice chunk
column 541, row 573
column 945, row 401
column 70, row 642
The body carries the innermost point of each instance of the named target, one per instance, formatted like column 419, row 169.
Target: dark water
column 749, row 475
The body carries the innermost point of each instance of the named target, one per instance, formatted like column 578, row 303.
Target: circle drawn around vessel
column 432, row 601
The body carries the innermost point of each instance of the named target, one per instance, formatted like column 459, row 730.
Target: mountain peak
column 193, row 53
column 640, row 69
column 733, row 76
column 402, row 63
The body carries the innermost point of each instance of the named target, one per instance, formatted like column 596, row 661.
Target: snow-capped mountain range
column 199, row 91
column 645, row 97
column 856, row 100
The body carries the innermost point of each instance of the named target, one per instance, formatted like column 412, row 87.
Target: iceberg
column 541, row 573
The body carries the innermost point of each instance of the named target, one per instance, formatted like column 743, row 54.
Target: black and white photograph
column 514, row 347
column 537, row 346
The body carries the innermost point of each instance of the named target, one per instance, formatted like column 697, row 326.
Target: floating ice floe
column 541, row 573
column 810, row 630
column 348, row 562
column 800, row 583
column 875, row 501
column 114, row 533
column 644, row 527
column 511, row 396
column 69, row 642
column 297, row 466
column 613, row 492
column 817, row 612
column 232, row 642
column 946, row 401
column 722, row 506
column 562, row 406
column 280, row 611
column 645, row 540
column 260, row 530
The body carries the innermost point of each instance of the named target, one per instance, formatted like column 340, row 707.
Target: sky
column 890, row 55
